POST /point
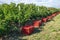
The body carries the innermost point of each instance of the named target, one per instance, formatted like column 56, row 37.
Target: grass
column 51, row 31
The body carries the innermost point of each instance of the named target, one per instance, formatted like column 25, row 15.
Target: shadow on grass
column 36, row 30
column 12, row 36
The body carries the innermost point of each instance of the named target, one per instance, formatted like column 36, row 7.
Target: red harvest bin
column 28, row 29
column 49, row 17
column 53, row 15
column 37, row 23
column 44, row 19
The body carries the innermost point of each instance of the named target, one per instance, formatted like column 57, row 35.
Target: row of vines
column 13, row 16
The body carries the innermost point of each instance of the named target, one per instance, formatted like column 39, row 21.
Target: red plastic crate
column 28, row 29
column 37, row 23
column 53, row 15
column 44, row 19
column 49, row 17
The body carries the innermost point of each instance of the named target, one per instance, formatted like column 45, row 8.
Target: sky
column 48, row 3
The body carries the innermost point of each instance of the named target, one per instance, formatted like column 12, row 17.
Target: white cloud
column 51, row 0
